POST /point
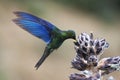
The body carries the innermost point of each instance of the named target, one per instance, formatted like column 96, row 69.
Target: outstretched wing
column 34, row 25
column 34, row 28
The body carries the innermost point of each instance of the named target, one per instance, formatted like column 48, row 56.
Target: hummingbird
column 49, row 33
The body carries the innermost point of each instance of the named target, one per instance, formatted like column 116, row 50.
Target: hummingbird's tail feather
column 44, row 56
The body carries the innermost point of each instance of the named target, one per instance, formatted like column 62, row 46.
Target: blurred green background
column 19, row 51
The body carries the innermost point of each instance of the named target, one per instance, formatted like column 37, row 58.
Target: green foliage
column 107, row 10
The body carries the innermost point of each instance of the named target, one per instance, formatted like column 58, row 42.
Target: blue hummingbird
column 44, row 30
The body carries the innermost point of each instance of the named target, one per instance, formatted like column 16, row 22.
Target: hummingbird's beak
column 75, row 42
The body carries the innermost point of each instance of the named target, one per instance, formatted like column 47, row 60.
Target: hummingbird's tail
column 44, row 56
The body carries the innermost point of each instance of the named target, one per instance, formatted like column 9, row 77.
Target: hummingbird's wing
column 44, row 56
column 34, row 25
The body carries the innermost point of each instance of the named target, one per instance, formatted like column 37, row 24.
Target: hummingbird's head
column 71, row 34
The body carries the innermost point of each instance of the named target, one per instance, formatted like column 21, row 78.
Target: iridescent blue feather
column 31, row 17
column 34, row 25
